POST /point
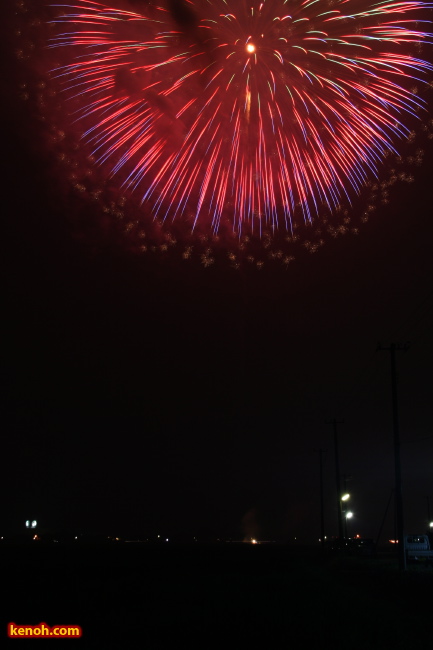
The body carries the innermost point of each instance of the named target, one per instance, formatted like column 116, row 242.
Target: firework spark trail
column 253, row 115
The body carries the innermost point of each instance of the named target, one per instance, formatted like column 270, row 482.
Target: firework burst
column 248, row 116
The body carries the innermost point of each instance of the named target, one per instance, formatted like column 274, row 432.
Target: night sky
column 146, row 394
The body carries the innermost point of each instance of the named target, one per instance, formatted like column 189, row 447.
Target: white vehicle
column 417, row 547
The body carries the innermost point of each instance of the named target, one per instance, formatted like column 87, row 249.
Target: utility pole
column 334, row 423
column 384, row 517
column 397, row 462
column 322, row 509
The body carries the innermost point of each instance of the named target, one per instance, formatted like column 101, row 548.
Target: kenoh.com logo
column 43, row 630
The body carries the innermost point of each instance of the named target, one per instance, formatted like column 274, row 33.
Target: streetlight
column 348, row 515
column 345, row 498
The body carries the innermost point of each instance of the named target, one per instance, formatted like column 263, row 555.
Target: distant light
column 166, row 539
column 250, row 48
column 253, row 541
column 31, row 524
column 431, row 524
column 349, row 515
column 345, row 497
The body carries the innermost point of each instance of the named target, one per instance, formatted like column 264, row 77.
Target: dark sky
column 157, row 396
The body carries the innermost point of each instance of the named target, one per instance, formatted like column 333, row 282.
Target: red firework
column 252, row 119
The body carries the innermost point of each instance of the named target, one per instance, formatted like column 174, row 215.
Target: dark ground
column 137, row 595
